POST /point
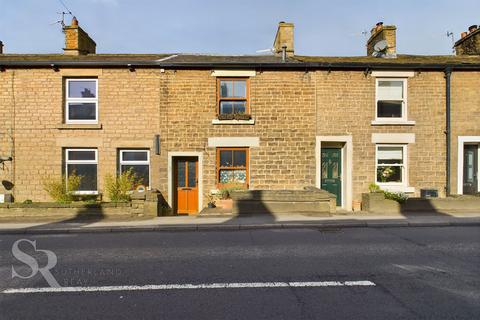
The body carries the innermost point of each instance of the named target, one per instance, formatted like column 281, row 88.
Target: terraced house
column 190, row 124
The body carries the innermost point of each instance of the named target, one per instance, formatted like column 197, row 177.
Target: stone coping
column 65, row 205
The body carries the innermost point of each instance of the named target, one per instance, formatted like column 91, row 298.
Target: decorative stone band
column 234, row 142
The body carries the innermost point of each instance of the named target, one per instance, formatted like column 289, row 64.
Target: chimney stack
column 77, row 41
column 283, row 43
column 469, row 43
column 379, row 33
column 1, row 47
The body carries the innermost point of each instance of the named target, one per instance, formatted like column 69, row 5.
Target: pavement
column 226, row 222
column 336, row 273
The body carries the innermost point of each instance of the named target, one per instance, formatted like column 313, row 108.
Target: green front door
column 332, row 172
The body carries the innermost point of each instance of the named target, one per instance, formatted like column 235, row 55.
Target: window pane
column 226, row 158
column 240, row 88
column 226, row 107
column 389, row 174
column 226, row 89
column 88, row 173
column 181, row 166
column 82, row 111
column 81, row 155
column 226, row 176
column 82, row 89
column 389, row 109
column 240, row 176
column 192, row 174
column 134, row 156
column 390, row 90
column 391, row 154
column 141, row 173
column 239, row 158
column 239, row 107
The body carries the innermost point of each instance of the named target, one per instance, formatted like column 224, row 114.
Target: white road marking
column 234, row 285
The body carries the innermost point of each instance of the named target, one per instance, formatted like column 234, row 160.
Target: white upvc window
column 391, row 99
column 84, row 163
column 81, row 103
column 138, row 161
column 391, row 165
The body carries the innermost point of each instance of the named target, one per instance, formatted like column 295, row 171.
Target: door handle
column 186, row 188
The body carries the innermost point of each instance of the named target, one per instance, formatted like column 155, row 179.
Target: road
column 404, row 273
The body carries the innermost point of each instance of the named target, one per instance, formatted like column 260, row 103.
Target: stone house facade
column 190, row 125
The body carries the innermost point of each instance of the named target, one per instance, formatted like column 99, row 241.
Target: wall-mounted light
column 131, row 68
column 157, row 144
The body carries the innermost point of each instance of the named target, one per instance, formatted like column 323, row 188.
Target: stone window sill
column 392, row 123
column 240, row 122
column 79, row 126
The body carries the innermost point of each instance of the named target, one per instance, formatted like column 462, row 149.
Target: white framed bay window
column 391, row 100
column 84, row 163
column 391, row 165
column 138, row 161
column 81, row 102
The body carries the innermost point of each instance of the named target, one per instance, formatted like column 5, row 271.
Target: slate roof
column 206, row 60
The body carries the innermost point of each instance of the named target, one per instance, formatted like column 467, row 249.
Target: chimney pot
column 472, row 28
column 463, row 34
column 74, row 22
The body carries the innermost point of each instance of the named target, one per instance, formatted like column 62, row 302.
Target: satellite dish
column 379, row 48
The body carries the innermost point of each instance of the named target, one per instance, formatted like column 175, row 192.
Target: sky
column 324, row 28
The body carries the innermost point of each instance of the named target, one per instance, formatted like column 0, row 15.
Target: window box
column 226, row 116
column 242, row 116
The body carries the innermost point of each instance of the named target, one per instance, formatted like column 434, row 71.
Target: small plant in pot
column 226, row 116
column 242, row 116
column 211, row 201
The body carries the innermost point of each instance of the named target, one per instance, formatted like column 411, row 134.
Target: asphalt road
column 419, row 273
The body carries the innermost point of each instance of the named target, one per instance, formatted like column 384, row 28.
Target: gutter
column 448, row 73
column 277, row 65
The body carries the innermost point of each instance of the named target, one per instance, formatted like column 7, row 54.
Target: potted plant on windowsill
column 226, row 116
column 242, row 116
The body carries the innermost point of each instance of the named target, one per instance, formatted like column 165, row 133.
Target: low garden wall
column 375, row 202
column 310, row 200
column 142, row 204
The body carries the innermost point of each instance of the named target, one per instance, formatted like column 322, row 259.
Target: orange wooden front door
column 186, row 182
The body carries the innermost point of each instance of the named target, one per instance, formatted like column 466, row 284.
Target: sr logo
column 33, row 263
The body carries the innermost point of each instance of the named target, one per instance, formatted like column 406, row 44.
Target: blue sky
column 328, row 28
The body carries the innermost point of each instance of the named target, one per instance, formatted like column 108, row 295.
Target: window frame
column 404, row 165
column 80, row 100
column 247, row 93
column 246, row 168
column 135, row 162
column 404, row 117
column 67, row 162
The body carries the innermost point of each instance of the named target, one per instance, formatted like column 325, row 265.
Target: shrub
column 400, row 197
column 373, row 187
column 28, row 201
column 63, row 190
column 225, row 191
column 118, row 188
